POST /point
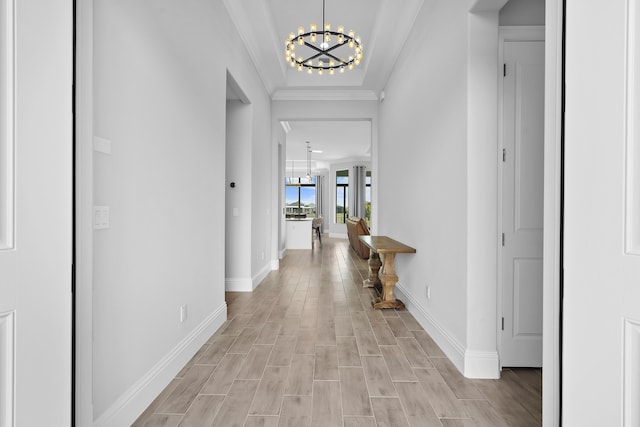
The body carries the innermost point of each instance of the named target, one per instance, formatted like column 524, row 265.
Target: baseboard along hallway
column 307, row 349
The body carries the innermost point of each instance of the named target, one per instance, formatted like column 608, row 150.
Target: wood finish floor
column 307, row 349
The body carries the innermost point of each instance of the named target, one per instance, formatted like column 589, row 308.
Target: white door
column 35, row 212
column 601, row 316
column 522, row 203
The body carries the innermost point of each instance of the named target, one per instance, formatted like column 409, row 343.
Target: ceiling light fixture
column 323, row 50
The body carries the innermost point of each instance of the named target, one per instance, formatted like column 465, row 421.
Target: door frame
column 553, row 191
column 83, row 363
column 507, row 34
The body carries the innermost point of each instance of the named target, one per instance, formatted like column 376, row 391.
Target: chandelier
column 324, row 50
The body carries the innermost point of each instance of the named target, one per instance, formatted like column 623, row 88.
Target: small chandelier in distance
column 323, row 50
column 309, row 177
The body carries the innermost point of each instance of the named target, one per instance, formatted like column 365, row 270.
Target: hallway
column 306, row 349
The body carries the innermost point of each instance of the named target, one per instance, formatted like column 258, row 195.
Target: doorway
column 521, row 182
column 237, row 190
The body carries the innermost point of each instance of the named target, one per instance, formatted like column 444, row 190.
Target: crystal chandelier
column 324, row 50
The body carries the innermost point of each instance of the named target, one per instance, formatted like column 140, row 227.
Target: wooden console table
column 387, row 279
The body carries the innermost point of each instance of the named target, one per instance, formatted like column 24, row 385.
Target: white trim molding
column 260, row 276
column 238, row 284
column 632, row 136
column 84, row 153
column 472, row 364
column 7, row 369
column 7, row 117
column 454, row 350
column 481, row 364
column 126, row 409
column 552, row 219
column 631, row 373
column 324, row 95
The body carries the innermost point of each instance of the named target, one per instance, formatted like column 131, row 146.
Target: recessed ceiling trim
column 272, row 70
column 324, row 95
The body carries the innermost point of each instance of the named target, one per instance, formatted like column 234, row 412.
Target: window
column 300, row 198
column 342, row 196
column 367, row 200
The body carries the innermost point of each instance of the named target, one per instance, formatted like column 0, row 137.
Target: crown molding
column 324, row 95
column 242, row 16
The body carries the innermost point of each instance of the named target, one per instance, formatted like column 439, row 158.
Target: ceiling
column 383, row 26
column 338, row 140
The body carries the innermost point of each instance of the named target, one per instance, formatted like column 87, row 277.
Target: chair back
column 317, row 222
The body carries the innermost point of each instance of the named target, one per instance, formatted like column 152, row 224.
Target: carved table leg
column 389, row 280
column 374, row 268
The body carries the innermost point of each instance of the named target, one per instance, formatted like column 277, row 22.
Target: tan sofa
column 357, row 227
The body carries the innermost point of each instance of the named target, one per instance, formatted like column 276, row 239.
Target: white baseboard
column 238, row 284
column 283, row 252
column 128, row 407
column 338, row 236
column 258, row 278
column 275, row 264
column 451, row 347
column 472, row 364
column 481, row 364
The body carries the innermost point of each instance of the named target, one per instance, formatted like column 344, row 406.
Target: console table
column 387, row 279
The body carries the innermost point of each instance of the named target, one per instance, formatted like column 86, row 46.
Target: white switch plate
column 183, row 313
column 101, row 217
column 235, row 212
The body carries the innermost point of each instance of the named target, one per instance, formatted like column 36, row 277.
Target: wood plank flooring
column 307, row 349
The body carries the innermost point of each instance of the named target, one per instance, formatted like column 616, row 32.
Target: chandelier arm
column 340, row 61
column 317, row 49
column 311, row 58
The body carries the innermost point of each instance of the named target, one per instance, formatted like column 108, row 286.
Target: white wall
column 422, row 166
column 238, row 199
column 160, row 95
column 263, row 171
column 522, row 12
column 437, row 177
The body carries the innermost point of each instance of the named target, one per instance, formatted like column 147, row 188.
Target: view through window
column 300, row 198
column 367, row 216
column 342, row 196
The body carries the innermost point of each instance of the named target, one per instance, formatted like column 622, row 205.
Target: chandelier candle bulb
column 329, row 49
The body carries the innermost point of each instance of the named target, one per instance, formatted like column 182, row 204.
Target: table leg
column 389, row 280
column 374, row 268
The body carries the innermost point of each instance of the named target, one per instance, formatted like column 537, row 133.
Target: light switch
column 235, row 212
column 101, row 217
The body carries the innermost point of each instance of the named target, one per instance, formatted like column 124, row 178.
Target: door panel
column 522, row 203
column 601, row 379
column 35, row 212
